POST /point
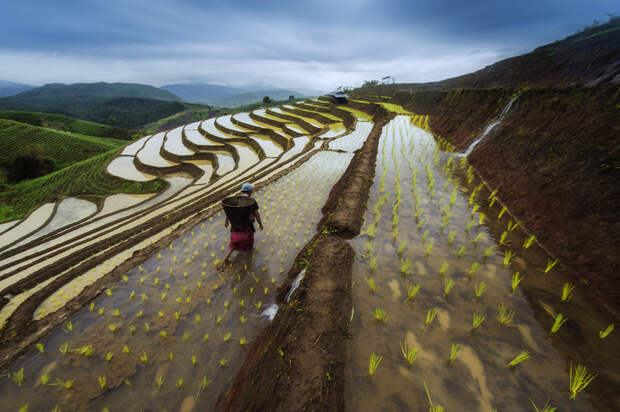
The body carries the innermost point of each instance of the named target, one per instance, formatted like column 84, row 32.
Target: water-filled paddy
column 174, row 330
column 435, row 239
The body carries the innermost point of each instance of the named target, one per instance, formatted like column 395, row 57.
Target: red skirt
column 242, row 240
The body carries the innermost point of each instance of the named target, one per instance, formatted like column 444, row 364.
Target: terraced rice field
column 117, row 303
column 65, row 254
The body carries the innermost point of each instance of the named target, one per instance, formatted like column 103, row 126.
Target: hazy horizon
column 307, row 45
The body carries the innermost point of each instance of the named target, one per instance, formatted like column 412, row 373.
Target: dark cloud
column 306, row 44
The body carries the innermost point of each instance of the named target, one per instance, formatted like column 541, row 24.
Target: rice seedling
column 460, row 252
column 371, row 284
column 102, row 382
column 488, row 251
column 444, row 267
column 425, row 235
column 477, row 238
column 567, row 292
column 550, row 265
column 40, row 348
column 501, row 212
column 604, row 333
column 455, row 349
column 18, row 377
column 64, row 348
column 223, row 362
column 578, row 379
column 144, row 358
column 429, row 247
column 505, row 316
column 559, row 320
column 159, row 381
column 432, row 408
column 502, row 238
column 473, row 269
column 125, row 349
column 373, row 363
column 410, row 354
column 519, row 358
column 451, row 237
column 412, row 291
column 516, row 279
column 373, row 263
column 380, row 314
column 529, row 242
column 179, row 383
column 448, row 284
column 109, row 356
column 477, row 321
column 546, row 408
column 431, row 314
column 68, row 327
column 405, row 267
column 508, row 255
column 469, row 225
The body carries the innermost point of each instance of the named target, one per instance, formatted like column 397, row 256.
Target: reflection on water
column 422, row 230
column 171, row 333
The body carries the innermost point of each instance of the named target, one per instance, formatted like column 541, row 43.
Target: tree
column 370, row 83
column 291, row 97
column 267, row 100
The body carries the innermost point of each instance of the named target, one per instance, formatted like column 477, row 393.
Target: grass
column 85, row 178
column 432, row 408
column 409, row 354
column 604, row 333
column 431, row 314
column 519, row 358
column 559, row 320
column 546, row 408
column 455, row 349
column 477, row 321
column 567, row 292
column 373, row 363
column 505, row 316
column 380, row 315
column 412, row 291
column 578, row 379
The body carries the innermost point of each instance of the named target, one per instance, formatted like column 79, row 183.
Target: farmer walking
column 242, row 230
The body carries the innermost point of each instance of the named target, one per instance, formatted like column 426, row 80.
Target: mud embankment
column 556, row 162
column 298, row 361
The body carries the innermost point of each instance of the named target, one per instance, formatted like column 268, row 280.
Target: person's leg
column 225, row 261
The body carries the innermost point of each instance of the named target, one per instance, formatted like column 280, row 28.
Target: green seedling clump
column 505, row 316
column 578, row 379
column 410, row 354
column 519, row 358
column 373, row 363
column 604, row 333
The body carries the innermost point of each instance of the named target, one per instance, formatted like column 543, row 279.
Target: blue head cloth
column 247, row 187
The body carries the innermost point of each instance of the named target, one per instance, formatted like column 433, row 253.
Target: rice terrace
column 437, row 246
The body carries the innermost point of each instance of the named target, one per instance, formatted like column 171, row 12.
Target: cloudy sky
column 317, row 44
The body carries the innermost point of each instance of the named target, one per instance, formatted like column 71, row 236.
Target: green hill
column 54, row 149
column 115, row 104
column 86, row 179
column 89, row 91
column 67, row 124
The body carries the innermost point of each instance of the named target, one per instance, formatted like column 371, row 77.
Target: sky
column 317, row 45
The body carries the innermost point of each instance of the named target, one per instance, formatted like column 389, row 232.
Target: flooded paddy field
column 455, row 306
column 174, row 330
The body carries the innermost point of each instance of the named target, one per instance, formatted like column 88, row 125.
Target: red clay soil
column 556, row 162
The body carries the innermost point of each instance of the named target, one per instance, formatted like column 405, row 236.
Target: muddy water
column 479, row 379
column 184, row 324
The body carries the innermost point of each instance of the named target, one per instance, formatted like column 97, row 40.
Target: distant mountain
column 202, row 93
column 10, row 88
column 116, row 104
column 225, row 96
column 89, row 91
column 253, row 97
